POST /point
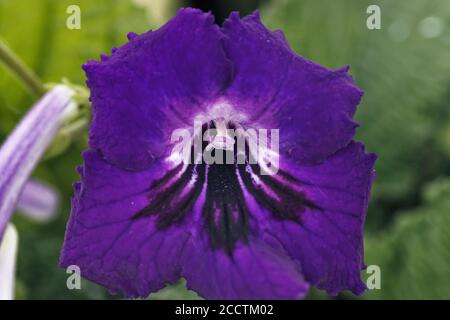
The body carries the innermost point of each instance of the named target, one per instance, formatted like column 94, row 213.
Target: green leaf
column 176, row 291
column 414, row 254
column 404, row 74
column 36, row 31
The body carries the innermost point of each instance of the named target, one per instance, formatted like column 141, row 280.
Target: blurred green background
column 404, row 69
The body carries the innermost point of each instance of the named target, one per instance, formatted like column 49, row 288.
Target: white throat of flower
column 221, row 113
column 223, row 128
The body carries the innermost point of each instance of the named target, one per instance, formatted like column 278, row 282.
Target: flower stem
column 22, row 72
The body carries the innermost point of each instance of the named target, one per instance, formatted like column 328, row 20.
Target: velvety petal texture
column 313, row 106
column 133, row 257
column 103, row 239
column 153, row 84
column 256, row 271
column 141, row 220
column 329, row 241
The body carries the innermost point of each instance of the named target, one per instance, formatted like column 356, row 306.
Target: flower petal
column 111, row 248
column 254, row 271
column 38, row 201
column 8, row 256
column 328, row 241
column 277, row 89
column 153, row 84
column 25, row 145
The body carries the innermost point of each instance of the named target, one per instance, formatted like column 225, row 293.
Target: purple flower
column 21, row 152
column 140, row 221
column 38, row 201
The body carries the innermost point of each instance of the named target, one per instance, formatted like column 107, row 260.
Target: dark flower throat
column 225, row 210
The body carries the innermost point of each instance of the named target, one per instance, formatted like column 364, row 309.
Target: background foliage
column 403, row 68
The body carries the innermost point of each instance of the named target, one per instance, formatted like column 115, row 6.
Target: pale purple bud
column 22, row 149
column 39, row 201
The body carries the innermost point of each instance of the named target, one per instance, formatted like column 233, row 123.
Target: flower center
column 228, row 188
column 222, row 140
